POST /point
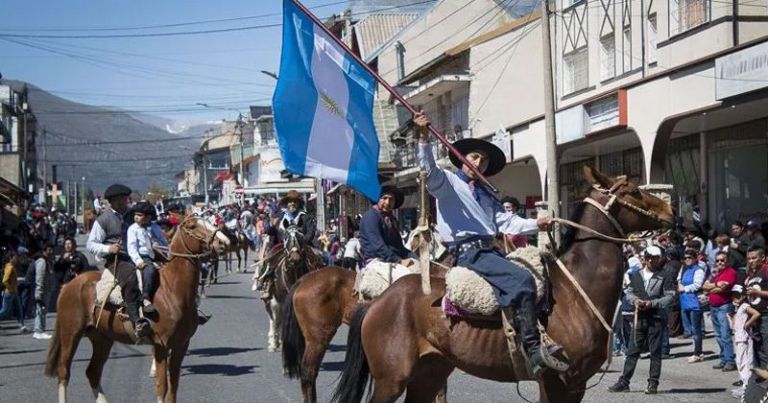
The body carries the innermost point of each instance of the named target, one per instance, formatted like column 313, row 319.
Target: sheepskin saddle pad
column 103, row 287
column 468, row 291
column 377, row 276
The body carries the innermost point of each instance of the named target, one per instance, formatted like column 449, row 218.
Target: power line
column 144, row 35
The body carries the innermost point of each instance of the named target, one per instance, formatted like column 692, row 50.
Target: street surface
column 228, row 362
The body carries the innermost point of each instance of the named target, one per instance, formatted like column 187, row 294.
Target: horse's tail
column 293, row 339
column 354, row 377
column 54, row 353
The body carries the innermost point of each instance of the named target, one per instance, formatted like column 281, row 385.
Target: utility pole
column 553, row 184
column 25, row 160
column 44, row 190
column 74, row 196
column 320, row 204
column 239, row 126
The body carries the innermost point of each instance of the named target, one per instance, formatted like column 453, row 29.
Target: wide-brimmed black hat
column 293, row 196
column 394, row 191
column 117, row 190
column 496, row 157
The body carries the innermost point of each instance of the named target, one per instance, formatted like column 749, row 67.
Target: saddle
column 108, row 292
column 467, row 293
column 377, row 276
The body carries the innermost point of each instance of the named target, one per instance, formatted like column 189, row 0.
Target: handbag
column 703, row 300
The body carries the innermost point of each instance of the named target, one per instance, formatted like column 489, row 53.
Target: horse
column 89, row 216
column 237, row 242
column 288, row 262
column 405, row 342
column 172, row 326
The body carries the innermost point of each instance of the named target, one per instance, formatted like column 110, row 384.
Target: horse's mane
column 566, row 241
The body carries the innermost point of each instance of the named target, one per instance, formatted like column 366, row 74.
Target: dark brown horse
column 173, row 327
column 406, row 344
column 289, row 261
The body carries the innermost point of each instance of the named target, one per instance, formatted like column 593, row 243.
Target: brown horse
column 237, row 243
column 406, row 344
column 173, row 327
column 89, row 216
column 314, row 310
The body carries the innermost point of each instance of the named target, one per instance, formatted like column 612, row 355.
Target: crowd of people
column 682, row 283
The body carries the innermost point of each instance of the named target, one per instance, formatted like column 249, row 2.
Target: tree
column 155, row 191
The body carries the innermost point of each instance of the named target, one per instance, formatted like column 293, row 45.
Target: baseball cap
column 737, row 289
column 22, row 250
column 653, row 251
column 752, row 224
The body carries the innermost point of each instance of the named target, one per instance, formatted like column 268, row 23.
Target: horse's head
column 293, row 242
column 633, row 208
column 200, row 237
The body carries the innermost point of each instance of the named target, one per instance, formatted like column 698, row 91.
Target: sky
column 166, row 76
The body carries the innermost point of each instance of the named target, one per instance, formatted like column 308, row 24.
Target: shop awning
column 437, row 86
column 281, row 188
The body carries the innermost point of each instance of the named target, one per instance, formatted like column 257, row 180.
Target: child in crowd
column 141, row 252
column 741, row 321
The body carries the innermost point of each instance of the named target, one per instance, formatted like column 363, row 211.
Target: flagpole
column 397, row 96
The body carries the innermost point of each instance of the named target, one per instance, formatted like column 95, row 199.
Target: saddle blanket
column 104, row 285
column 469, row 292
column 377, row 276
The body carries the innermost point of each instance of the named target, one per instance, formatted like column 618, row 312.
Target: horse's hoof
column 272, row 349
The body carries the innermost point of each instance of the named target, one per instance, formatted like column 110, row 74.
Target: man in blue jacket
column 380, row 231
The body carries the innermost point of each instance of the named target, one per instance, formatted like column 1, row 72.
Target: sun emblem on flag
column 331, row 105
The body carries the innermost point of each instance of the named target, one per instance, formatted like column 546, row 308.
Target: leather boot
column 140, row 325
column 539, row 357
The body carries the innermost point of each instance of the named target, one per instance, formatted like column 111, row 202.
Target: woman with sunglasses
column 718, row 287
column 690, row 280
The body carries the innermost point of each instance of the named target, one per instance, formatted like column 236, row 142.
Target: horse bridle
column 614, row 199
column 208, row 242
column 293, row 234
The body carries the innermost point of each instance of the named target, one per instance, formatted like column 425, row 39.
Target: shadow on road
column 230, row 297
column 693, row 390
column 336, row 347
column 37, row 350
column 332, row 366
column 219, row 369
column 219, row 351
column 40, row 364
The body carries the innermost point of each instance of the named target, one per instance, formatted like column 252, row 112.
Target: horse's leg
column 316, row 345
column 429, row 378
column 102, row 345
column 245, row 255
column 174, row 369
column 274, row 325
column 442, row 394
column 153, row 368
column 67, row 345
column 161, row 373
column 237, row 253
column 553, row 390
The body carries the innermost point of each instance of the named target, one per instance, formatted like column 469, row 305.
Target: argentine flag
column 323, row 108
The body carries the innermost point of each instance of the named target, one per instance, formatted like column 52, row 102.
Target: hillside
column 106, row 145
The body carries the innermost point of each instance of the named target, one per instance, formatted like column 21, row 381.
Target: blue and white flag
column 323, row 108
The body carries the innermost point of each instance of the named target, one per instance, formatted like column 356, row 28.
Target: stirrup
column 552, row 354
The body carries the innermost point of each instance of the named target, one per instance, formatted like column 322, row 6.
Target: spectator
column 741, row 322
column 690, row 280
column 42, row 273
column 718, row 287
column 623, row 331
column 650, row 293
column 739, row 244
column 353, row 253
column 25, row 287
column 756, row 284
column 11, row 300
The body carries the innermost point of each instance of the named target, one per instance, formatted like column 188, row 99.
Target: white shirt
column 511, row 223
column 459, row 215
column 139, row 243
column 97, row 204
column 352, row 249
column 647, row 274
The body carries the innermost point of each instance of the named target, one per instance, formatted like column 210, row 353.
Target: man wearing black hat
column 466, row 213
column 293, row 214
column 107, row 241
column 379, row 231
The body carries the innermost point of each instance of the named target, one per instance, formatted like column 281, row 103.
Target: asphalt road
column 228, row 362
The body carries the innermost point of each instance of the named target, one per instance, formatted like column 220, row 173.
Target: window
column 627, row 50
column 607, row 57
column 652, row 35
column 687, row 14
column 575, row 70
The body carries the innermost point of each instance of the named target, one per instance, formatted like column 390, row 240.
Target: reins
column 188, row 253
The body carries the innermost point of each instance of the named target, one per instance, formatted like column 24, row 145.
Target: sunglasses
column 690, row 257
column 719, row 261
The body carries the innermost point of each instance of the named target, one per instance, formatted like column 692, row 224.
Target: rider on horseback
column 107, row 241
column 466, row 211
column 292, row 214
column 380, row 232
column 140, row 249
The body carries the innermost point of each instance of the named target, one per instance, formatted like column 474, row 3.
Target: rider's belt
column 474, row 242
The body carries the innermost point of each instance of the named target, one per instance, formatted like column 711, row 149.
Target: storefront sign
column 741, row 72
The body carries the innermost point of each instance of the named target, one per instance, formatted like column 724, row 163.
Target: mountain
column 106, row 145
